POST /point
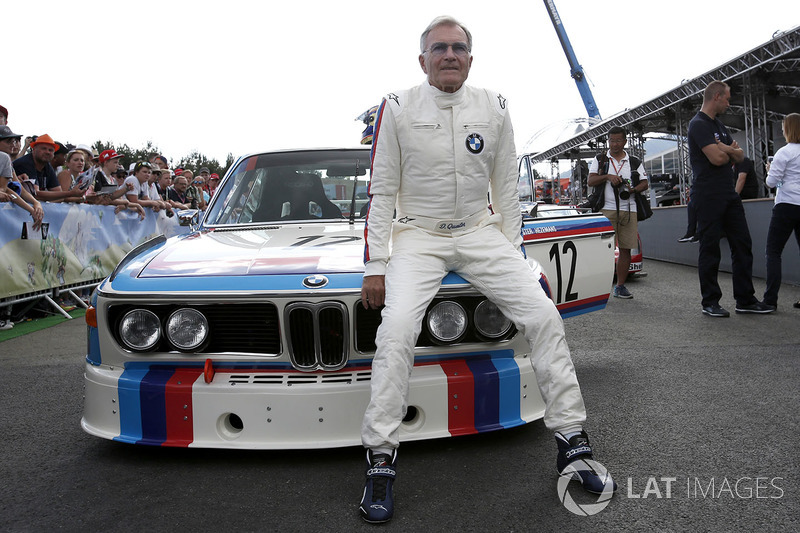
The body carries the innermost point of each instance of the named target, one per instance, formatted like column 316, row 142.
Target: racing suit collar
column 445, row 100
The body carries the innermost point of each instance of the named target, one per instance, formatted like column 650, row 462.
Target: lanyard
column 617, row 170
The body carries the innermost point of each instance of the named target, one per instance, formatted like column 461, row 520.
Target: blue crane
column 576, row 71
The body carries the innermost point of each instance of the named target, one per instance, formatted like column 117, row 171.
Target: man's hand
column 373, row 292
column 614, row 179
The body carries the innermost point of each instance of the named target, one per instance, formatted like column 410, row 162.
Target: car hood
column 287, row 249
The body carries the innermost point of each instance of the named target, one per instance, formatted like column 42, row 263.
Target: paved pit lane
column 695, row 417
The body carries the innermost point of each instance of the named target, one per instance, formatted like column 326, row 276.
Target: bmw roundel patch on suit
column 474, row 143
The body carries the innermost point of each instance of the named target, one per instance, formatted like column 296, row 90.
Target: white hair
column 444, row 21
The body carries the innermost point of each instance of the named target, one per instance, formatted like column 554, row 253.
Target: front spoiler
column 255, row 408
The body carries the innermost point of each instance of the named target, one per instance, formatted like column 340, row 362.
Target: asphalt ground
column 694, row 416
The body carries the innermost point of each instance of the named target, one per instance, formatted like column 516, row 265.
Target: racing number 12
column 568, row 246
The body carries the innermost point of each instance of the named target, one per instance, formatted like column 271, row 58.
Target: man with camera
column 613, row 170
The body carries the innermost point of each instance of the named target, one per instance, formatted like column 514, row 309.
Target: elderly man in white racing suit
column 437, row 149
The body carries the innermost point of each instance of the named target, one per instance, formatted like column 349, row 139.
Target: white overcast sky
column 287, row 74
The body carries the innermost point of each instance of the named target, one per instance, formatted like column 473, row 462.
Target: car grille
column 239, row 328
column 317, row 334
column 251, row 329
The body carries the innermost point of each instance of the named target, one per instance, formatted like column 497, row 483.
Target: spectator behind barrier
column 60, row 157
column 163, row 183
column 138, row 186
column 88, row 153
column 199, row 188
column 211, row 186
column 75, row 162
column 176, row 195
column 152, row 190
column 37, row 166
column 104, row 189
column 10, row 189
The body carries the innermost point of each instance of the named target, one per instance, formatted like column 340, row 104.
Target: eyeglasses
column 440, row 49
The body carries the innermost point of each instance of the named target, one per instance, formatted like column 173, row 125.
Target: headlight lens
column 490, row 321
column 187, row 328
column 447, row 321
column 140, row 329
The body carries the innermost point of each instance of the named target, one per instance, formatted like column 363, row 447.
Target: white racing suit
column 435, row 155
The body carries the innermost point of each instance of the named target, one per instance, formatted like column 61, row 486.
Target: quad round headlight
column 490, row 321
column 140, row 329
column 447, row 321
column 187, row 328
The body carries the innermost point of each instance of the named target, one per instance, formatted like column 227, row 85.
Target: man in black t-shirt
column 719, row 209
column 36, row 166
column 745, row 181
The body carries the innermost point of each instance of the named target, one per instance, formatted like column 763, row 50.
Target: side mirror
column 188, row 217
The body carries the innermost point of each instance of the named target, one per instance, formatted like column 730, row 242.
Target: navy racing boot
column 575, row 455
column 377, row 503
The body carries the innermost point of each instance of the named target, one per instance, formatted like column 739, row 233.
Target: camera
column 625, row 190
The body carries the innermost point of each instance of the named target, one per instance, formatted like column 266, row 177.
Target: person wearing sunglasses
column 195, row 190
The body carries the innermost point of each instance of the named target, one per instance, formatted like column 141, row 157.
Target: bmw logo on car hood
column 316, row 281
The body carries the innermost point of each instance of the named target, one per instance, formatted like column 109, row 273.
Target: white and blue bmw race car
column 249, row 331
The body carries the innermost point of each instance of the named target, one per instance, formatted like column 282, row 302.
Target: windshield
column 293, row 186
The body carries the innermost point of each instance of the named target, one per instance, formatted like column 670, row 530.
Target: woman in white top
column 783, row 173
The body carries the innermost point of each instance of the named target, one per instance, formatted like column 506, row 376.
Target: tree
column 194, row 161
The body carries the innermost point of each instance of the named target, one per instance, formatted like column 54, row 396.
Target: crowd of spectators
column 45, row 170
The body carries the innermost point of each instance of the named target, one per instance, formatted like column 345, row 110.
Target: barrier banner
column 77, row 243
